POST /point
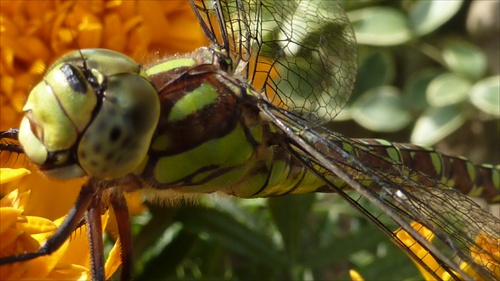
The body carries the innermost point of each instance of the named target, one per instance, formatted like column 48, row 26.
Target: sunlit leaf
column 485, row 95
column 381, row 109
column 380, row 26
column 448, row 89
column 427, row 16
column 465, row 58
column 436, row 123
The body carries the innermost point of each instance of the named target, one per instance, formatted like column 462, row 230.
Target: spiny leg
column 124, row 230
column 12, row 136
column 94, row 225
column 12, row 133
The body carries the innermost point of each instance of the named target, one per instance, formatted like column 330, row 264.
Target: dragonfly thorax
column 94, row 113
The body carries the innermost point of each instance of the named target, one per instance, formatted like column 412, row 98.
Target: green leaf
column 382, row 110
column 448, row 89
column 346, row 245
column 416, row 87
column 234, row 235
column 290, row 214
column 485, row 95
column 380, row 26
column 466, row 59
column 377, row 69
column 427, row 16
column 165, row 262
column 436, row 123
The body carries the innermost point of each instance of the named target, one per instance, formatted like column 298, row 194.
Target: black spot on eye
column 115, row 134
column 93, row 163
column 108, row 156
column 83, row 155
column 75, row 78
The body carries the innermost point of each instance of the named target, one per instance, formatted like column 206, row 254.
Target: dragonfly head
column 94, row 113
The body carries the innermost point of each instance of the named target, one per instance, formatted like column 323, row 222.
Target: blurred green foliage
column 437, row 61
column 426, row 69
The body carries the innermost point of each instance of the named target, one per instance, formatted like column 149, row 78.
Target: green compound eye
column 78, row 118
column 118, row 138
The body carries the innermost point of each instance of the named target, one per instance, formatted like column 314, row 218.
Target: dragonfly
column 244, row 117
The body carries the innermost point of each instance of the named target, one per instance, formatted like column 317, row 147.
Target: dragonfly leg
column 11, row 134
column 71, row 222
column 94, row 225
column 123, row 221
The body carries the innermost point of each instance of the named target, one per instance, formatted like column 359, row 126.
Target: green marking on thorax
column 192, row 102
column 169, row 65
column 228, row 151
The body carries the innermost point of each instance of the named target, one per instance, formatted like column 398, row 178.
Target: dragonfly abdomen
column 457, row 172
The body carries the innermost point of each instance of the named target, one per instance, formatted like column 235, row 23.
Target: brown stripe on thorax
column 212, row 121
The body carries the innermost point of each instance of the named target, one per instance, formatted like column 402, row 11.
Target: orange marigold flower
column 35, row 34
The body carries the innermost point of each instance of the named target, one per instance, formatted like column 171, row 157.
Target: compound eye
column 118, row 139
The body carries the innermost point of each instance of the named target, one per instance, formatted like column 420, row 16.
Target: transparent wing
column 300, row 55
column 466, row 236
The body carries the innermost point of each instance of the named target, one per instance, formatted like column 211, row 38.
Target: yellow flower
column 419, row 251
column 355, row 276
column 33, row 34
column 490, row 256
column 20, row 234
column 486, row 253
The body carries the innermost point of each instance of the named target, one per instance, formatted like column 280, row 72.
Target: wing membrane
column 457, row 222
column 308, row 45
